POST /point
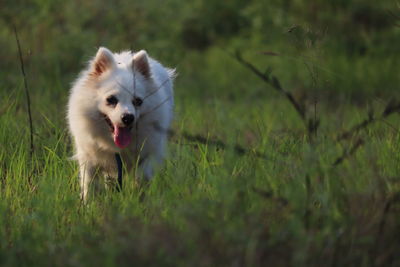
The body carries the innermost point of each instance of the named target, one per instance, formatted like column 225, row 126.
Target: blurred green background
column 330, row 48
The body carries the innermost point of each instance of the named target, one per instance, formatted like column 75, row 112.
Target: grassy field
column 247, row 182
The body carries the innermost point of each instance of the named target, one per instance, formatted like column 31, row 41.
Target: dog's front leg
column 87, row 172
column 146, row 166
column 146, row 169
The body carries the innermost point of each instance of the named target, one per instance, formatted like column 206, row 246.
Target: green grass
column 207, row 206
column 210, row 206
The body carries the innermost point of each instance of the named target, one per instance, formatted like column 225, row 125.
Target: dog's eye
column 112, row 100
column 137, row 101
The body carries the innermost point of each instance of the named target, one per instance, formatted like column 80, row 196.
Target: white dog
column 122, row 103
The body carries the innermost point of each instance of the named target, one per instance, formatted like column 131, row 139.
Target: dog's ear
column 103, row 62
column 140, row 63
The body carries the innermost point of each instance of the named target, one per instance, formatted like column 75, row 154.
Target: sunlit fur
column 124, row 76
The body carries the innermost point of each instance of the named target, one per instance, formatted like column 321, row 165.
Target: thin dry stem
column 28, row 99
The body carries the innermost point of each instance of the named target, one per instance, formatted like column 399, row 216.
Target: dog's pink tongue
column 122, row 136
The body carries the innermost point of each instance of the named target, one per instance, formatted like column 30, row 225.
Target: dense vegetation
column 250, row 180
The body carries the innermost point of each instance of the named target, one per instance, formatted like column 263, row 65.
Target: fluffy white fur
column 126, row 76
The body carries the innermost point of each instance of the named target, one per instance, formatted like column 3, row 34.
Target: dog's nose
column 127, row 118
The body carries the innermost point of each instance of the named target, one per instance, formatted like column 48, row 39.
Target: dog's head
column 122, row 82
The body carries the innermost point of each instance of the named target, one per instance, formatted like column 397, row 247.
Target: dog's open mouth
column 122, row 135
column 109, row 123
